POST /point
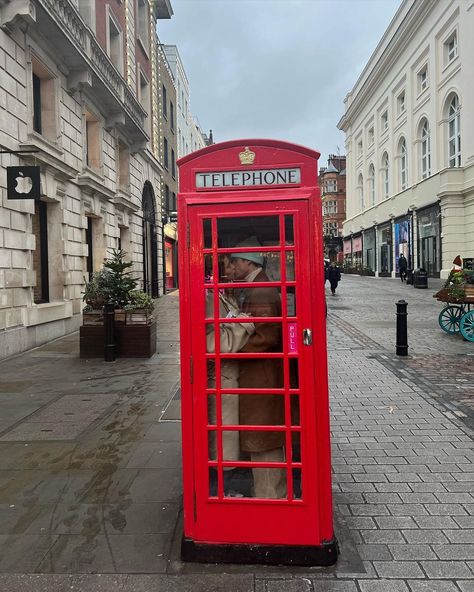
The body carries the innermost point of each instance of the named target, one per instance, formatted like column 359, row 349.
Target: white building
column 190, row 135
column 78, row 85
column 409, row 124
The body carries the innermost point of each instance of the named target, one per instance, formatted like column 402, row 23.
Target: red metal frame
column 218, row 519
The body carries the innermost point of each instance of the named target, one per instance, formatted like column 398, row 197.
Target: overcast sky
column 275, row 68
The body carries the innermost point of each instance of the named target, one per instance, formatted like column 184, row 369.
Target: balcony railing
column 88, row 54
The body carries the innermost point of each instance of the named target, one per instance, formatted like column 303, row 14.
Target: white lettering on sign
column 248, row 178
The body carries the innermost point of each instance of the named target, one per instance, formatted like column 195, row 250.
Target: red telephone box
column 255, row 414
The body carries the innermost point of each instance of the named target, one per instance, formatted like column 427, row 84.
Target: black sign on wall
column 23, row 182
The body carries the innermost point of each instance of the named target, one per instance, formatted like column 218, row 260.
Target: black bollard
column 402, row 334
column 109, row 333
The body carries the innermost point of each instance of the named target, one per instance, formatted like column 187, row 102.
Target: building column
column 453, row 239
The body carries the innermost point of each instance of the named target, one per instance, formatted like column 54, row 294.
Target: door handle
column 307, row 337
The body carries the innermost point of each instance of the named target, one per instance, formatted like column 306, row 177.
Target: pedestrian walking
column 334, row 277
column 402, row 267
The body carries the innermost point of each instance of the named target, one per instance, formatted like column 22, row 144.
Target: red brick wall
column 101, row 27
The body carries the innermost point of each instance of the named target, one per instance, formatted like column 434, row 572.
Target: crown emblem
column 246, row 156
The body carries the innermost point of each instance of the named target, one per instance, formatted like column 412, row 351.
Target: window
column 451, row 48
column 143, row 24
column 330, row 229
column 40, row 254
column 123, row 158
column 454, row 133
column 171, row 116
column 115, row 43
column 92, row 144
column 330, row 186
column 173, row 164
column 372, row 184
column 422, row 79
column 37, row 104
column 43, row 99
column 167, row 198
column 330, row 207
column 164, row 102
column 401, row 106
column 385, row 175
column 87, row 11
column 360, row 191
column 402, row 152
column 359, row 149
column 165, row 153
column 384, row 121
column 173, row 201
column 90, row 246
column 144, row 96
column 425, row 156
column 371, row 136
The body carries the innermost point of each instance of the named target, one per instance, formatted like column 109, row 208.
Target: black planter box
column 132, row 341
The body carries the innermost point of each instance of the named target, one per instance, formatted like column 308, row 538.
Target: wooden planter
column 133, row 341
column 95, row 317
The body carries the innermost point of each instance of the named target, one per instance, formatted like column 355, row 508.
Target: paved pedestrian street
column 90, row 467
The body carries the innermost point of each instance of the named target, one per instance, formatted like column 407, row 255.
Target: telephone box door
column 254, row 395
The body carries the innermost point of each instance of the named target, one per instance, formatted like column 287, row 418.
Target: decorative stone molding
column 17, row 12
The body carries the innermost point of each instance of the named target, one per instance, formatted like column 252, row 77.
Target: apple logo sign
column 23, row 184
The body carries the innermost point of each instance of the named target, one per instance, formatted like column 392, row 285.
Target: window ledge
column 142, row 45
column 94, row 182
column 124, row 199
column 48, row 312
column 48, row 153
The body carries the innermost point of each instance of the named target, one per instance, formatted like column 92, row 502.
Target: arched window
column 402, row 153
column 454, row 133
column 360, row 190
column 372, row 184
column 385, row 174
column 425, row 149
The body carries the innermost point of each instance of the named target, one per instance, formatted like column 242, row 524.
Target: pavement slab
column 95, row 504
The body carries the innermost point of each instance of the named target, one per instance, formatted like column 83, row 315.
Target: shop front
column 357, row 252
column 403, row 239
column 429, row 240
column 347, row 249
column 384, row 240
column 369, row 257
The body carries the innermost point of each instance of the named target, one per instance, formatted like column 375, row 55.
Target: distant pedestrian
column 334, row 277
column 402, row 267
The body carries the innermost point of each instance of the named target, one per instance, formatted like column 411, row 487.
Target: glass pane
column 262, row 410
column 208, row 269
column 261, row 266
column 207, row 232
column 243, row 337
column 212, row 482
column 230, row 445
column 294, row 374
column 264, row 230
column 229, row 412
column 269, row 483
column 209, row 295
column 295, row 410
column 290, row 266
column 289, row 232
column 257, row 302
column 297, row 484
column 296, row 447
column 291, row 301
column 238, row 482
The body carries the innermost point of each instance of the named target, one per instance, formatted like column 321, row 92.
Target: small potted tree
column 115, row 284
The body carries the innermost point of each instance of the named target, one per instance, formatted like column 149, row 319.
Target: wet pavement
column 90, row 467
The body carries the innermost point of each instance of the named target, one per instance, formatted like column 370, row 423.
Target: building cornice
column 404, row 25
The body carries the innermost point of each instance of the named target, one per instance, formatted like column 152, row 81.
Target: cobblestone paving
column 403, row 466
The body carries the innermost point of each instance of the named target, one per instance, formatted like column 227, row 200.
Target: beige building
column 169, row 180
column 409, row 124
column 79, row 84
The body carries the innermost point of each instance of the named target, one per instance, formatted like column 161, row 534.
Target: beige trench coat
column 261, row 373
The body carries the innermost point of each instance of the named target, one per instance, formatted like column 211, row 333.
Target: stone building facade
column 79, row 85
column 169, row 155
column 332, row 181
column 409, row 124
